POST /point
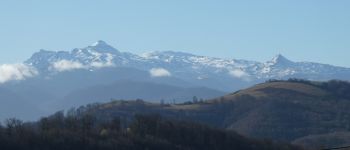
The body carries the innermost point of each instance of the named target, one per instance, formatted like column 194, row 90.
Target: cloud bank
column 159, row 72
column 67, row 65
column 10, row 72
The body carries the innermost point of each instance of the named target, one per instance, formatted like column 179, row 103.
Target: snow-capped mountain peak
column 102, row 47
column 97, row 55
column 280, row 59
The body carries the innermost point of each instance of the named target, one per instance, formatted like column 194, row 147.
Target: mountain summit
column 280, row 59
column 103, row 47
column 279, row 62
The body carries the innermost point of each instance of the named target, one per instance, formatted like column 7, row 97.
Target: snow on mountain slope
column 189, row 67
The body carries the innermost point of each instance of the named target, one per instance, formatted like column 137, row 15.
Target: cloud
column 10, row 72
column 159, row 72
column 238, row 73
column 99, row 64
column 66, row 65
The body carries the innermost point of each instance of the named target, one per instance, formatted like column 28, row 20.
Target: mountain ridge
column 196, row 69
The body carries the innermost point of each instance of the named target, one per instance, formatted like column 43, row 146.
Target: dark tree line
column 85, row 132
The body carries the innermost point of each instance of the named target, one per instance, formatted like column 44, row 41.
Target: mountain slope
column 289, row 110
column 281, row 110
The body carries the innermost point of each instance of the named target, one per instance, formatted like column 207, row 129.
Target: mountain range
column 53, row 80
column 217, row 73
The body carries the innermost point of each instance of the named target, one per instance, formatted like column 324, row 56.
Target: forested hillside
column 290, row 111
column 72, row 132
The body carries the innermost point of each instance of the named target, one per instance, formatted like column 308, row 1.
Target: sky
column 301, row 30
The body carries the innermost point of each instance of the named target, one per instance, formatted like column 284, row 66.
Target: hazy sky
column 302, row 30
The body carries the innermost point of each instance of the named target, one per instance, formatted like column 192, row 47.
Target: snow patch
column 108, row 63
column 159, row 72
column 10, row 72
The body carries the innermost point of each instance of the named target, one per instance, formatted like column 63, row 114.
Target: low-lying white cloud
column 238, row 73
column 159, row 72
column 66, row 65
column 10, row 72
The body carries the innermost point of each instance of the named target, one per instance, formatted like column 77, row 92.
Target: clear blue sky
column 302, row 30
